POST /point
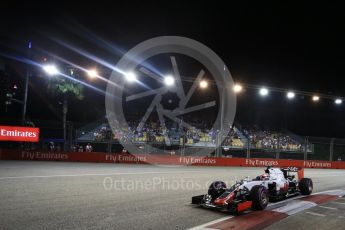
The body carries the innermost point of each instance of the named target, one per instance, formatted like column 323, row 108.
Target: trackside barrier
column 165, row 160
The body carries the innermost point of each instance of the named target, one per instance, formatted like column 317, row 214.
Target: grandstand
column 239, row 138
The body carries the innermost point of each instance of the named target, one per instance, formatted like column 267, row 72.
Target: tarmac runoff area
column 65, row 195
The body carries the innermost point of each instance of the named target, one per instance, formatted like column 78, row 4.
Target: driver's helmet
column 264, row 176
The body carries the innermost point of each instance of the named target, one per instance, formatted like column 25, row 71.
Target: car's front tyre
column 259, row 197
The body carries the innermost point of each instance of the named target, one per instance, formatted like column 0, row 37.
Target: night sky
column 282, row 44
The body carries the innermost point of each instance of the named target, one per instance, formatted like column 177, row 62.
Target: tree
column 66, row 89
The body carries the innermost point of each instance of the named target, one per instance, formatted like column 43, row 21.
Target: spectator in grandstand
column 74, row 148
column 88, row 148
column 51, row 146
column 80, row 149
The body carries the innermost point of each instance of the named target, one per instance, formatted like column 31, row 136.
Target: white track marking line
column 335, row 192
column 336, row 202
column 315, row 214
column 96, row 174
column 328, row 191
column 294, row 207
column 283, row 201
column 204, row 226
column 325, row 207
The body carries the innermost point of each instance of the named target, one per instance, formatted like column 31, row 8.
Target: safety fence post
column 331, row 149
column 248, row 146
column 278, row 148
column 305, row 148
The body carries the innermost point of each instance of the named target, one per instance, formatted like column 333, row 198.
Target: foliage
column 69, row 88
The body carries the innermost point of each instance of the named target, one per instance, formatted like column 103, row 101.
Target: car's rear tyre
column 259, row 197
column 305, row 186
column 216, row 189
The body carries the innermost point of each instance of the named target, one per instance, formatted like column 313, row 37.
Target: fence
column 312, row 148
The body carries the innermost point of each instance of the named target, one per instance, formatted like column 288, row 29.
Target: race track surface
column 62, row 195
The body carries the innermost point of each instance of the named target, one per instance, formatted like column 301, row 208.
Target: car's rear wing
column 299, row 170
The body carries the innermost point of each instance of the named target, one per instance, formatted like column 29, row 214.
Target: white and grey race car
column 274, row 184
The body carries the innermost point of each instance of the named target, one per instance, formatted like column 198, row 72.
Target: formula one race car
column 274, row 184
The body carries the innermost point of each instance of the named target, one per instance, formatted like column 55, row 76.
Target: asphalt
column 64, row 195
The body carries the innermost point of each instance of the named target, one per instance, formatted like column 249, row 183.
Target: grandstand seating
column 238, row 138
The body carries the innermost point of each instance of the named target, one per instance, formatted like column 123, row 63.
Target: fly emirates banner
column 15, row 133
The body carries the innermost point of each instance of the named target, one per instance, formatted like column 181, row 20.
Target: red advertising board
column 164, row 160
column 17, row 133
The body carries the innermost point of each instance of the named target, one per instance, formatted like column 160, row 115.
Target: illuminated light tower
column 130, row 77
column 338, row 101
column 169, row 80
column 203, row 84
column 238, row 88
column 51, row 69
column 263, row 92
column 290, row 95
column 315, row 98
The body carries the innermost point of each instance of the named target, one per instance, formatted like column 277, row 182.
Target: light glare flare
column 92, row 73
column 263, row 92
column 50, row 69
column 290, row 95
column 238, row 88
column 203, row 84
column 338, row 101
column 316, row 98
column 169, row 80
column 130, row 77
